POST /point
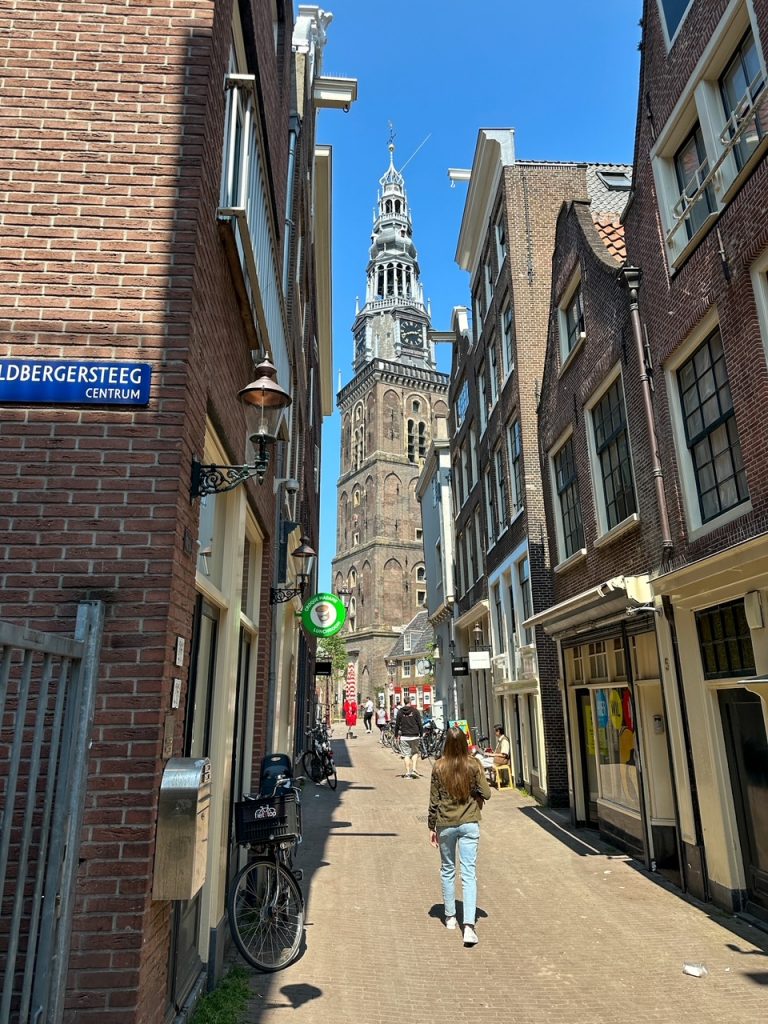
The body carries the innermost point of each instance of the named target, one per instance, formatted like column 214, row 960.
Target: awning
column 613, row 599
column 478, row 610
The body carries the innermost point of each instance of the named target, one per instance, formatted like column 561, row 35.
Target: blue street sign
column 74, row 382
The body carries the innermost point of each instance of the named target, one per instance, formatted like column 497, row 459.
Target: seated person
column 501, row 753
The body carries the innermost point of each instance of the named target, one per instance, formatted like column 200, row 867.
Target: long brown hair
column 456, row 769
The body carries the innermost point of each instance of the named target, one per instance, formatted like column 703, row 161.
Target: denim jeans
column 466, row 837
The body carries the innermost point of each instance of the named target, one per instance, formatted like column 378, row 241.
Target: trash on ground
column 695, row 970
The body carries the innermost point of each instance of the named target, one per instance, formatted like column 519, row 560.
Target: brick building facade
column 146, row 178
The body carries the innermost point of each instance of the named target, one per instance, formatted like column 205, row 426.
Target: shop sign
column 323, row 615
column 479, row 660
column 323, row 668
column 74, row 382
column 459, row 667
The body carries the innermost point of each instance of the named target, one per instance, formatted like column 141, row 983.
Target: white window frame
column 490, row 509
column 759, row 274
column 696, row 528
column 700, row 102
column 482, row 398
column 507, row 338
column 566, row 356
column 518, row 500
column 405, row 670
column 500, row 229
column 502, row 509
column 604, row 534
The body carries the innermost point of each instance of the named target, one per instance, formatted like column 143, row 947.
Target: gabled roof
column 421, row 633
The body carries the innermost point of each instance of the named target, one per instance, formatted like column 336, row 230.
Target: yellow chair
column 499, row 770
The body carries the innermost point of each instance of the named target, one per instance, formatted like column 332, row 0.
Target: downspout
column 645, row 820
column 630, row 278
column 293, row 134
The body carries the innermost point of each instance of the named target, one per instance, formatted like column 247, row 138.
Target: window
column 501, row 636
column 691, row 168
column 406, row 671
column 508, row 339
column 460, row 563
column 490, row 509
column 598, row 660
column 355, row 538
column 488, row 273
column 411, row 441
column 439, row 565
column 715, row 134
column 462, row 404
column 482, row 398
column 570, row 318
column 494, row 372
column 419, row 533
column 673, row 12
column 407, row 639
column 422, row 440
column 515, row 446
column 740, row 85
column 613, row 457
column 471, row 569
column 421, row 597
column 725, row 641
column 710, row 430
column 616, row 181
column 420, row 574
column 501, row 240
column 478, row 541
column 524, row 581
column 570, row 532
column 501, row 487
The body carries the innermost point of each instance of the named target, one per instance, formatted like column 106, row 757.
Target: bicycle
column 265, row 902
column 317, row 761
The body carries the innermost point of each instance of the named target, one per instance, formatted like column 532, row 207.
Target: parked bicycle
column 317, row 761
column 432, row 740
column 265, row 902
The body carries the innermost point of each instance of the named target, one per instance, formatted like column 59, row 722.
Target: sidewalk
column 571, row 931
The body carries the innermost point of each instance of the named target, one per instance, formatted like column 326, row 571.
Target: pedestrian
column 456, row 794
column 408, row 729
column 368, row 715
column 350, row 716
column 381, row 721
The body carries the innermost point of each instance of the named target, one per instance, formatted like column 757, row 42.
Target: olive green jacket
column 445, row 812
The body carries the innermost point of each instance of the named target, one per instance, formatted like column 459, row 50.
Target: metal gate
column 47, row 689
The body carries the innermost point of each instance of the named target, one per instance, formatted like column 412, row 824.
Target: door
column 185, row 963
column 747, row 751
column 587, row 750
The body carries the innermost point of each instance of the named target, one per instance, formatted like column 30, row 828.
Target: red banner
column 351, row 682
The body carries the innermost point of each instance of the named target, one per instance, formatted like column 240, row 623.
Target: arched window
column 397, row 206
column 388, row 206
column 411, row 441
column 420, row 574
column 352, row 618
column 352, row 578
column 416, row 406
column 422, row 440
column 356, row 497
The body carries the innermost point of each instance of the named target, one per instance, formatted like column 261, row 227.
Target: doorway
column 588, row 762
column 184, row 961
column 747, row 752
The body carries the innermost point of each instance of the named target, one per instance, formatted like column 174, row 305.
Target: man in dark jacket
column 408, row 729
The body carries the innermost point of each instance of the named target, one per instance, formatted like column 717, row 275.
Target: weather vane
column 391, row 135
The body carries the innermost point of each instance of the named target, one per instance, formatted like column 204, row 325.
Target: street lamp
column 268, row 399
column 477, row 635
column 345, row 594
column 305, row 556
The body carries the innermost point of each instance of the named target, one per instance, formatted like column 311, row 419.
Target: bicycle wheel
column 313, row 766
column 266, row 915
column 330, row 773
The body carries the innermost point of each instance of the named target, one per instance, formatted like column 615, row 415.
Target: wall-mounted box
column 181, row 846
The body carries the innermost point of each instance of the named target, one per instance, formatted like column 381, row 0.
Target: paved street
column 570, row 931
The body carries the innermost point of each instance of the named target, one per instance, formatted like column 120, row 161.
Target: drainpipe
column 288, row 241
column 630, row 278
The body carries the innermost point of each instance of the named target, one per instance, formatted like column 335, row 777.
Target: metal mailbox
column 181, row 846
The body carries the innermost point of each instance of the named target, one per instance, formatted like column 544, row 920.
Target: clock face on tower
column 411, row 333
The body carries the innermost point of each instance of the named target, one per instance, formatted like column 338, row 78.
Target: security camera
column 346, row 108
column 292, row 486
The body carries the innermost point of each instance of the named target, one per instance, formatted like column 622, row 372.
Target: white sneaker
column 470, row 935
column 451, row 924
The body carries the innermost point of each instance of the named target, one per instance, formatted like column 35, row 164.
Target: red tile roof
column 612, row 234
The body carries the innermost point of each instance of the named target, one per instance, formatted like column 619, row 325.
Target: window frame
column 696, row 525
column 579, row 550
column 567, row 351
column 514, row 442
column 507, row 328
column 605, row 531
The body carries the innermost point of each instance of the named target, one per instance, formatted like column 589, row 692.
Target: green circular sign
column 323, row 615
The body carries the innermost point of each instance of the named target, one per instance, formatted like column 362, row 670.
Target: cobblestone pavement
column 571, row 931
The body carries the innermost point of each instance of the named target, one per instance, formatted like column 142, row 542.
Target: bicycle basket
column 267, row 818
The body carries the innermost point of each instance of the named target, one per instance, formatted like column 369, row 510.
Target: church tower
column 388, row 412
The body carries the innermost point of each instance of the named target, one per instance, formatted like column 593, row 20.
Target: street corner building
column 165, row 367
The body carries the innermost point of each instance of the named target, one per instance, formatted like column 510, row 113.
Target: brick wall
column 110, row 154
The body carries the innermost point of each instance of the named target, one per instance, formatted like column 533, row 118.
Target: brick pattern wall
column 110, row 154
column 671, row 306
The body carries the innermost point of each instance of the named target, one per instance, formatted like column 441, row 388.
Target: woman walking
column 456, row 794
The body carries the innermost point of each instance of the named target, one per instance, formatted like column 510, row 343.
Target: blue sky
column 562, row 73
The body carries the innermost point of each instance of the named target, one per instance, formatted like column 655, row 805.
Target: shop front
column 621, row 779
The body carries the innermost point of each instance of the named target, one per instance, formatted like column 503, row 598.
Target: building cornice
column 495, row 149
column 392, row 373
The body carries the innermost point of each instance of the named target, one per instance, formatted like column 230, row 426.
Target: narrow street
column 570, row 931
